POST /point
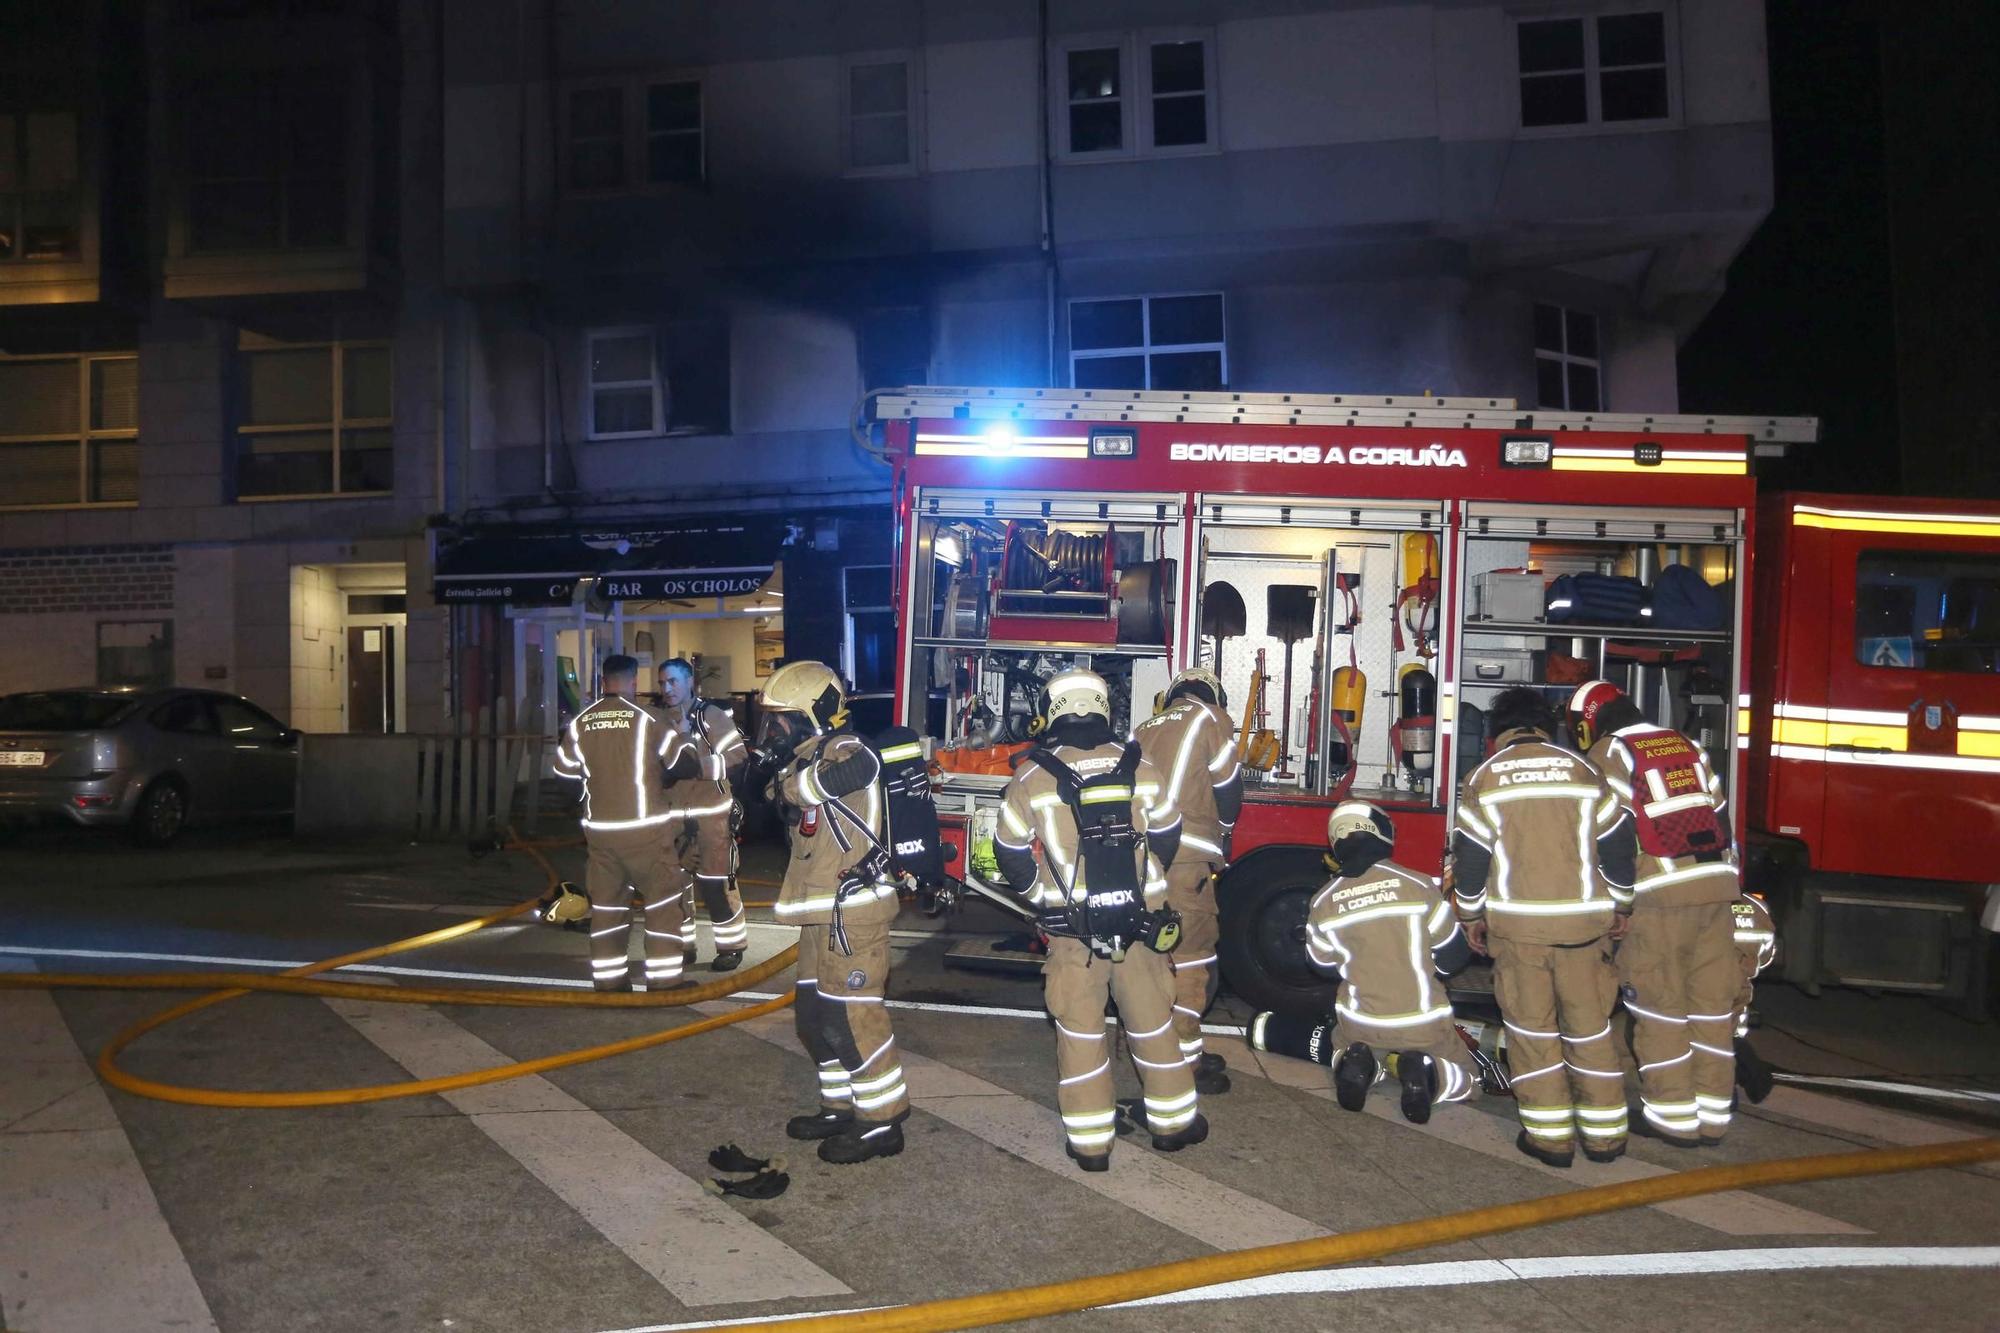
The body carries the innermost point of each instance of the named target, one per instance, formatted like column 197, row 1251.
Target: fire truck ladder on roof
column 1771, row 434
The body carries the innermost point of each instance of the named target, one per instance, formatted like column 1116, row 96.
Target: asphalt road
column 571, row 1201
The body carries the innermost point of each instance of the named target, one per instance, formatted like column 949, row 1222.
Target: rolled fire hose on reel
column 304, row 981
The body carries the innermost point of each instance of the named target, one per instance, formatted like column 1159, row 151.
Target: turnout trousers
column 625, row 863
column 1191, row 892
column 1556, row 1001
column 1075, row 983
column 843, row 1024
column 1682, row 978
column 708, row 854
column 1456, row 1078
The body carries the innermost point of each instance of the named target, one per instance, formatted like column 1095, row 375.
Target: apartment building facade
column 422, row 353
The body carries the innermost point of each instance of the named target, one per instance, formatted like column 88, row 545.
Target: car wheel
column 161, row 814
column 1262, row 901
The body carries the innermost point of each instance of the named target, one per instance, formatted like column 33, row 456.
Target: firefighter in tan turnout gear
column 1543, row 867
column 1191, row 741
column 839, row 891
column 1392, row 937
column 1086, row 826
column 1756, row 947
column 1677, row 965
column 707, row 845
column 625, row 758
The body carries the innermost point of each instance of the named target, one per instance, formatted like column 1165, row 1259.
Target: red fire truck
column 1874, row 785
column 1362, row 572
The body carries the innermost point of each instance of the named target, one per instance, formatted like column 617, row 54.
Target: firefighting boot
column 1646, row 1129
column 1185, row 1137
column 726, row 962
column 1418, row 1075
column 1089, row 1161
column 1752, row 1074
column 1210, row 1083
column 1597, row 1154
column 1547, row 1156
column 1208, row 1062
column 818, row 1125
column 856, row 1144
column 1354, row 1073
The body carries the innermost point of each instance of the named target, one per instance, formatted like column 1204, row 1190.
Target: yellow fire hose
column 295, row 982
column 1000, row 1307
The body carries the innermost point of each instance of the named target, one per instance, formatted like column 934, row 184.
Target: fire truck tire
column 1263, row 899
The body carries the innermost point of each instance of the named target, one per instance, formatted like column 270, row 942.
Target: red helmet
column 1584, row 706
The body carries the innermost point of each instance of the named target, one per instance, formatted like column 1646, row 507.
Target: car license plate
column 20, row 758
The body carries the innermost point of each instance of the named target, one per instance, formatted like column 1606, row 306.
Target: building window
column 314, row 420
column 1181, row 92
column 643, row 132
column 625, row 389
column 673, row 132
column 1611, row 69
column 1172, row 112
column 1095, row 79
column 1928, row 611
column 871, row 629
column 1148, row 342
column 69, row 430
column 267, row 161
column 40, row 202
column 881, row 131
column 1568, row 364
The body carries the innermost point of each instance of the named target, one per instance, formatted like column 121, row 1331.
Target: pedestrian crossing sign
column 1889, row 651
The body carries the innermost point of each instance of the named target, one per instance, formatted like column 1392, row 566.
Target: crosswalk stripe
column 1873, row 1122
column 1170, row 1194
column 696, row 1246
column 85, row 1245
column 1735, row 1213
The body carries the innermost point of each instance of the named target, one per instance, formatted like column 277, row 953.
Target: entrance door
column 371, row 680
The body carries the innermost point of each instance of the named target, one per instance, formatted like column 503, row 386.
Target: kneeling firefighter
column 1105, row 825
column 1192, row 741
column 840, row 892
column 1391, row 935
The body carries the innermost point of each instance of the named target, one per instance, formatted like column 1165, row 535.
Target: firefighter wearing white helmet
column 625, row 757
column 1390, row 935
column 840, row 893
column 1192, row 741
column 1678, row 969
column 1086, row 828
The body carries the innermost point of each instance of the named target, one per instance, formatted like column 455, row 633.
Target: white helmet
column 1358, row 817
column 1078, row 693
column 1202, row 676
column 810, row 688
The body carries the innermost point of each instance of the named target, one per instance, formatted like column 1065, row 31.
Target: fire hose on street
column 226, row 986
column 974, row 1311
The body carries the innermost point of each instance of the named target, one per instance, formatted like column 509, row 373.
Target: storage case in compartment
column 1500, row 595
column 1498, row 666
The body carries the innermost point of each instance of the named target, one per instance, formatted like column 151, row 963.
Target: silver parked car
column 148, row 761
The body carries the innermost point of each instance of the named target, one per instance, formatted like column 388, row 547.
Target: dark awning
column 699, row 557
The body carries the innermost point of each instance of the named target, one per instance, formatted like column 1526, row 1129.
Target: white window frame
column 633, row 134
column 1148, row 348
column 1593, row 72
column 337, row 424
column 591, row 384
column 1135, row 98
column 1565, row 358
column 913, row 112
column 83, row 435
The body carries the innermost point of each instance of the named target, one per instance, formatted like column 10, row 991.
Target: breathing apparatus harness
column 1113, row 914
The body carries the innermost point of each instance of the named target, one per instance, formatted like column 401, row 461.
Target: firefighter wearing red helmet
column 1086, row 829
column 1391, row 936
column 1678, row 968
column 1191, row 741
column 1542, row 865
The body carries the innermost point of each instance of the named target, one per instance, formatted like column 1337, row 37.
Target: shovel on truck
column 1222, row 616
column 1288, row 617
